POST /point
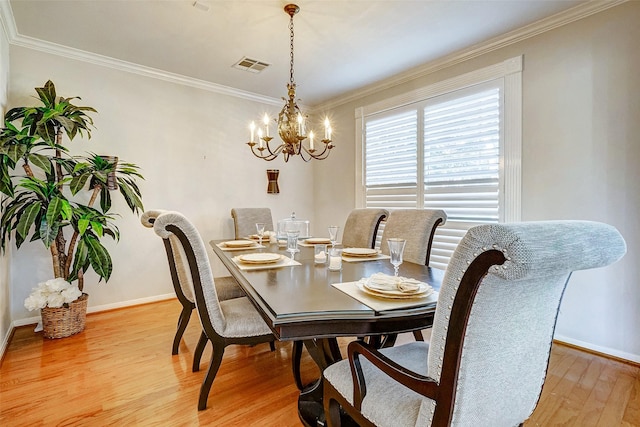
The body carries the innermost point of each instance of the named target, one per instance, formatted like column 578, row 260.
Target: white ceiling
column 340, row 46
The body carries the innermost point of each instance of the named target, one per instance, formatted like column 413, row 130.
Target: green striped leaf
column 27, row 218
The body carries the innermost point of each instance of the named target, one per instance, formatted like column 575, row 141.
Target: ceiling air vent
column 251, row 65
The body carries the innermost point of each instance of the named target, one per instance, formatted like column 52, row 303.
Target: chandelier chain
column 291, row 54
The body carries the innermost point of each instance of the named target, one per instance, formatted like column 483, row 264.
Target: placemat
column 383, row 304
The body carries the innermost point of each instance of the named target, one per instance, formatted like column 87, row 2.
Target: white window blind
column 462, row 166
column 391, row 160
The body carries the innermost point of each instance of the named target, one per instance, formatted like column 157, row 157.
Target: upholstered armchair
column 226, row 286
column 245, row 219
column 492, row 332
column 361, row 227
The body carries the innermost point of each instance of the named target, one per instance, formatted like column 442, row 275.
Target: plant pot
column 65, row 321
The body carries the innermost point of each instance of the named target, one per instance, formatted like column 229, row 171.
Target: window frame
column 508, row 75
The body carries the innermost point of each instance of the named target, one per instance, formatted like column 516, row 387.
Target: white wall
column 5, row 318
column 190, row 146
column 581, row 110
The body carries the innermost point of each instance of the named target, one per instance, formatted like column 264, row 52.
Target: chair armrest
column 426, row 386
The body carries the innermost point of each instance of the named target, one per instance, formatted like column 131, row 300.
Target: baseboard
column 607, row 352
column 95, row 309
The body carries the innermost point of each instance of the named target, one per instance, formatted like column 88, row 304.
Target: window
column 453, row 146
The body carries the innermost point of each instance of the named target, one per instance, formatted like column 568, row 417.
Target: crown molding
column 570, row 15
column 576, row 13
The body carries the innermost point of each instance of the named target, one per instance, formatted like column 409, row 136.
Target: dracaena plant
column 43, row 186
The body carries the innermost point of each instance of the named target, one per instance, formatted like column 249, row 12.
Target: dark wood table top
column 298, row 302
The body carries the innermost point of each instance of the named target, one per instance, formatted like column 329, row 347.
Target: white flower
column 71, row 294
column 57, row 285
column 55, row 300
column 36, row 300
column 53, row 293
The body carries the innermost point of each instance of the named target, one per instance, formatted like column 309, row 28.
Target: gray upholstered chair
column 417, row 227
column 361, row 227
column 245, row 219
column 226, row 287
column 492, row 332
column 224, row 323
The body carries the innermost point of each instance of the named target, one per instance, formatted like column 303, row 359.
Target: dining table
column 303, row 301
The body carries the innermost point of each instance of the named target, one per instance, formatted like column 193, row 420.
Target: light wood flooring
column 120, row 371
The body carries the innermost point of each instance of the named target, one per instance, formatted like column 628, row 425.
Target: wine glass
column 333, row 234
column 292, row 242
column 260, row 230
column 396, row 248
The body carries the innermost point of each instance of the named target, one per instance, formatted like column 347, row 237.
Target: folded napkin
column 384, row 282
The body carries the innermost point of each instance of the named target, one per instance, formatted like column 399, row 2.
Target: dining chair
column 226, row 286
column 361, row 227
column 492, row 332
column 245, row 219
column 224, row 322
column 417, row 227
column 360, row 231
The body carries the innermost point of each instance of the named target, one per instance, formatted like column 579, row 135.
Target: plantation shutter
column 391, row 161
column 462, row 166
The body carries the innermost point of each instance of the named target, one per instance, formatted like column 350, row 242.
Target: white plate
column 260, row 258
column 317, row 241
column 359, row 252
column 424, row 292
column 239, row 243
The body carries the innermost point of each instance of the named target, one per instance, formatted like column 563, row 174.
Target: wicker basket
column 65, row 321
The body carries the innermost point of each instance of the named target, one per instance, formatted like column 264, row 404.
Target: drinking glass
column 396, row 248
column 292, row 242
column 260, row 230
column 333, row 234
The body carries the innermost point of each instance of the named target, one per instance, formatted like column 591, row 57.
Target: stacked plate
column 384, row 286
column 259, row 258
column 360, row 252
column 239, row 243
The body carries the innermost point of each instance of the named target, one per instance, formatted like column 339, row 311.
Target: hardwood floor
column 120, row 371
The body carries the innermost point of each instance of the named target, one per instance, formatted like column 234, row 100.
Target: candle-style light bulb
column 329, row 132
column 265, row 120
column 311, row 140
column 327, row 125
column 299, row 124
column 252, row 126
column 259, row 138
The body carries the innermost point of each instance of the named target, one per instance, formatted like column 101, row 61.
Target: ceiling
column 340, row 46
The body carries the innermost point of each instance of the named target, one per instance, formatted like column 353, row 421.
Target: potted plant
column 42, row 183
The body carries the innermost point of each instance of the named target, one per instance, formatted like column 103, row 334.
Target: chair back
column 185, row 246
column 491, row 339
column 417, row 227
column 177, row 265
column 245, row 219
column 361, row 227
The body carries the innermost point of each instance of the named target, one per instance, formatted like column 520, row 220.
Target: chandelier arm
column 268, row 157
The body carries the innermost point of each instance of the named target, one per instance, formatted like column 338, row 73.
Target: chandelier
column 291, row 123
